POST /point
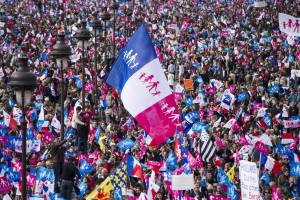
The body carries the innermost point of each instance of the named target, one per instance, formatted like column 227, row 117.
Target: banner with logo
column 289, row 24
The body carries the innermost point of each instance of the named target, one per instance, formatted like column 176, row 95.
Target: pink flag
column 89, row 86
column 187, row 197
column 155, row 165
column 260, row 147
column 243, row 140
column 143, row 148
column 217, row 197
column 276, row 194
column 235, row 127
column 30, row 179
column 160, row 57
column 179, row 171
column 219, row 143
column 47, row 137
column 82, row 156
column 16, row 165
column 193, row 162
column 5, row 185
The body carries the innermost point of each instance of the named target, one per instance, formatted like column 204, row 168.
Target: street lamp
column 128, row 13
column 105, row 18
column 114, row 6
column 96, row 25
column 60, row 53
column 83, row 36
column 23, row 83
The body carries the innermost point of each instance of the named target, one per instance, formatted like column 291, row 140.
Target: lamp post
column 23, row 82
column 83, row 36
column 105, row 18
column 60, row 53
column 128, row 14
column 115, row 7
column 96, row 25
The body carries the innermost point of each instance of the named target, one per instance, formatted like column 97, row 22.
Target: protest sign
column 188, row 84
column 183, row 182
column 259, row 4
column 289, row 24
column 249, row 180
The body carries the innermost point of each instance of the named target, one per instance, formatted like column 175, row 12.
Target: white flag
column 230, row 123
column 55, row 123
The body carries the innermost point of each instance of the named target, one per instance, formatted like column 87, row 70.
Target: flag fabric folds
column 119, row 177
column 207, row 149
column 230, row 174
column 138, row 77
column 134, row 167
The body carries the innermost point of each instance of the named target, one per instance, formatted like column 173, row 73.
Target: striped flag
column 207, row 149
column 138, row 77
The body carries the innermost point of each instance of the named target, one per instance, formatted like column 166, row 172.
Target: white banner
column 295, row 73
column 289, row 24
column 249, row 180
column 183, row 182
column 259, row 3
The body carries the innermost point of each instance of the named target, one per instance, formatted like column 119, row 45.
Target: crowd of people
column 224, row 47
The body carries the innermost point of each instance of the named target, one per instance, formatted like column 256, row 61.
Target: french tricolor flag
column 138, row 77
column 9, row 121
column 134, row 167
column 270, row 164
column 287, row 138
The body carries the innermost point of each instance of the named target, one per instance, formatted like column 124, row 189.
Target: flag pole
column 259, row 162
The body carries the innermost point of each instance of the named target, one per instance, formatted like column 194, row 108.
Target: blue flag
column 200, row 80
column 85, row 168
column 118, row 193
column 97, row 134
column 273, row 89
column 126, row 144
column 188, row 101
column 78, row 82
column 44, row 174
column 82, row 188
column 12, row 175
column 11, row 103
column 266, row 177
column 200, row 126
column 231, row 192
column 11, row 142
column 295, row 169
column 69, row 133
column 171, row 161
column 243, row 97
column 191, row 117
column 222, row 177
